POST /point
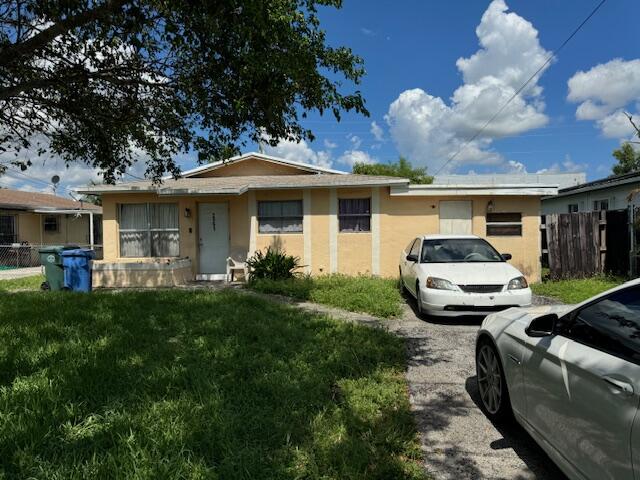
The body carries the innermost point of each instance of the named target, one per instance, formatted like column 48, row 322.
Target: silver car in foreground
column 570, row 375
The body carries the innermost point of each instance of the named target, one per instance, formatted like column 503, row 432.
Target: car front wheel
column 491, row 383
column 419, row 300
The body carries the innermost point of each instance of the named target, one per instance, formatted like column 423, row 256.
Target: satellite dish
column 55, row 179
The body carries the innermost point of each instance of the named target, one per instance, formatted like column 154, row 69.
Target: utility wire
column 524, row 85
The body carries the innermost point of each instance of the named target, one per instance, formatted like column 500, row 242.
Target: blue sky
column 438, row 70
column 415, row 45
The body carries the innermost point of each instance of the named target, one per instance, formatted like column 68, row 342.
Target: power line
column 517, row 92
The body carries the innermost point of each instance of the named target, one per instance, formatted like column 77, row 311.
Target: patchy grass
column 25, row 283
column 174, row 385
column 575, row 290
column 374, row 295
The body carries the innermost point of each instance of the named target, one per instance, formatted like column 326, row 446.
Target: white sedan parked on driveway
column 461, row 275
column 571, row 377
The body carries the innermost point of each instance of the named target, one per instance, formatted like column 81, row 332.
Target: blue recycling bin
column 77, row 269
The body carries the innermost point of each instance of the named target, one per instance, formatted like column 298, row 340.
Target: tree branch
column 15, row 52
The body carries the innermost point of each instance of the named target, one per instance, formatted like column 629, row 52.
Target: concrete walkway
column 19, row 273
column 458, row 440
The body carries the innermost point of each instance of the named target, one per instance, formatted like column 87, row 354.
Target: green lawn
column 376, row 296
column 25, row 283
column 174, row 385
column 575, row 290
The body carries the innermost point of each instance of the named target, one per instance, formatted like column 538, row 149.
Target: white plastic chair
column 235, row 265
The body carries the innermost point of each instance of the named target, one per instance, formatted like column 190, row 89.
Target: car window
column 611, row 325
column 415, row 249
column 408, row 249
column 449, row 250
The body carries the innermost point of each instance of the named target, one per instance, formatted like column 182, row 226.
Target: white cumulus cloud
column 377, row 131
column 604, row 92
column 300, row 152
column 351, row 157
column 429, row 130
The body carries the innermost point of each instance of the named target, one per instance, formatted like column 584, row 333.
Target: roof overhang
column 62, row 211
column 473, row 190
column 239, row 190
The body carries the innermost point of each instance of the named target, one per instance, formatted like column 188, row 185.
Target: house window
column 8, row 231
column 504, row 224
column 600, row 205
column 572, row 208
column 280, row 217
column 51, row 223
column 149, row 230
column 354, row 214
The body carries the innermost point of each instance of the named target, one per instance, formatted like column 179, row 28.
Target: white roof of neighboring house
column 268, row 158
column 560, row 180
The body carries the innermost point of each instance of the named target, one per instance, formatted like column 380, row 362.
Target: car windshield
column 458, row 250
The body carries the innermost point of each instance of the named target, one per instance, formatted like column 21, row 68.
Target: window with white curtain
column 354, row 214
column 149, row 230
column 280, row 216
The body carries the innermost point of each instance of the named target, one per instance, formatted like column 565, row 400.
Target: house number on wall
column 213, row 221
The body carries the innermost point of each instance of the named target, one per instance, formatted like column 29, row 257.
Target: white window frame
column 56, row 218
column 149, row 230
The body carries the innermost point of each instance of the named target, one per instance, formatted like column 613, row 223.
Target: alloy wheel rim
column 489, row 379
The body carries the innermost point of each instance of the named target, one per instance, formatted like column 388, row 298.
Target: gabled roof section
column 303, row 167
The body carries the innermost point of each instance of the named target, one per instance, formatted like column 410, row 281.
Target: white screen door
column 213, row 228
column 456, row 217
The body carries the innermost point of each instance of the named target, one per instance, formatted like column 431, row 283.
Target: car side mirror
column 543, row 326
column 412, row 258
column 506, row 256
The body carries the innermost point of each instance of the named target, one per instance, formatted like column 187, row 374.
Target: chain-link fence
column 21, row 255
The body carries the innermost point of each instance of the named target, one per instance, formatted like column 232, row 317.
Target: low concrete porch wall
column 157, row 272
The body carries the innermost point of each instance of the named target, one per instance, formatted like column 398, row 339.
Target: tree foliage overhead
column 105, row 81
column 401, row 168
column 628, row 159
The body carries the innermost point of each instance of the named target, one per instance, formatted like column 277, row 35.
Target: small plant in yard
column 273, row 264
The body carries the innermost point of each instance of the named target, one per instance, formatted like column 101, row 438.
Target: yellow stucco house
column 166, row 234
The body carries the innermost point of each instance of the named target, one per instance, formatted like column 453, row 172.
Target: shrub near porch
column 175, row 384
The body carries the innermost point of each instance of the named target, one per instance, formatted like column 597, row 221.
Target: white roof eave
column 439, row 190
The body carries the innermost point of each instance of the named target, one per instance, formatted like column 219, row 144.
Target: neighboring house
column 611, row 193
column 333, row 221
column 43, row 219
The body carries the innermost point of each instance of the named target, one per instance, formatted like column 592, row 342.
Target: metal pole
column 91, row 229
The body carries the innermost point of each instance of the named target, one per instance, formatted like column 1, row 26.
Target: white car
column 571, row 377
column 453, row 275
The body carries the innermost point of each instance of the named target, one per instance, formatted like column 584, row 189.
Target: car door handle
column 624, row 387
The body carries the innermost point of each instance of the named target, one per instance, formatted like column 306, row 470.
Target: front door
column 456, row 217
column 213, row 229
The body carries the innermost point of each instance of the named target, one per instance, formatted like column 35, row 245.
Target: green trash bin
column 51, row 260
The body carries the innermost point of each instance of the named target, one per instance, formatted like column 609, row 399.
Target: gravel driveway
column 459, row 441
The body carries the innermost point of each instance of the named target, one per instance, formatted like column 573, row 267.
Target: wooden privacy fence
column 576, row 243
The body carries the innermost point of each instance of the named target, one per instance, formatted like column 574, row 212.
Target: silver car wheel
column 489, row 379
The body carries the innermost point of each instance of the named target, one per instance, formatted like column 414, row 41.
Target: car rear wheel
column 492, row 385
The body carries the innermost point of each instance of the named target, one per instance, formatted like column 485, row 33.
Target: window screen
column 504, row 224
column 51, row 223
column 280, row 216
column 354, row 214
column 572, row 208
column 7, row 229
column 149, row 230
